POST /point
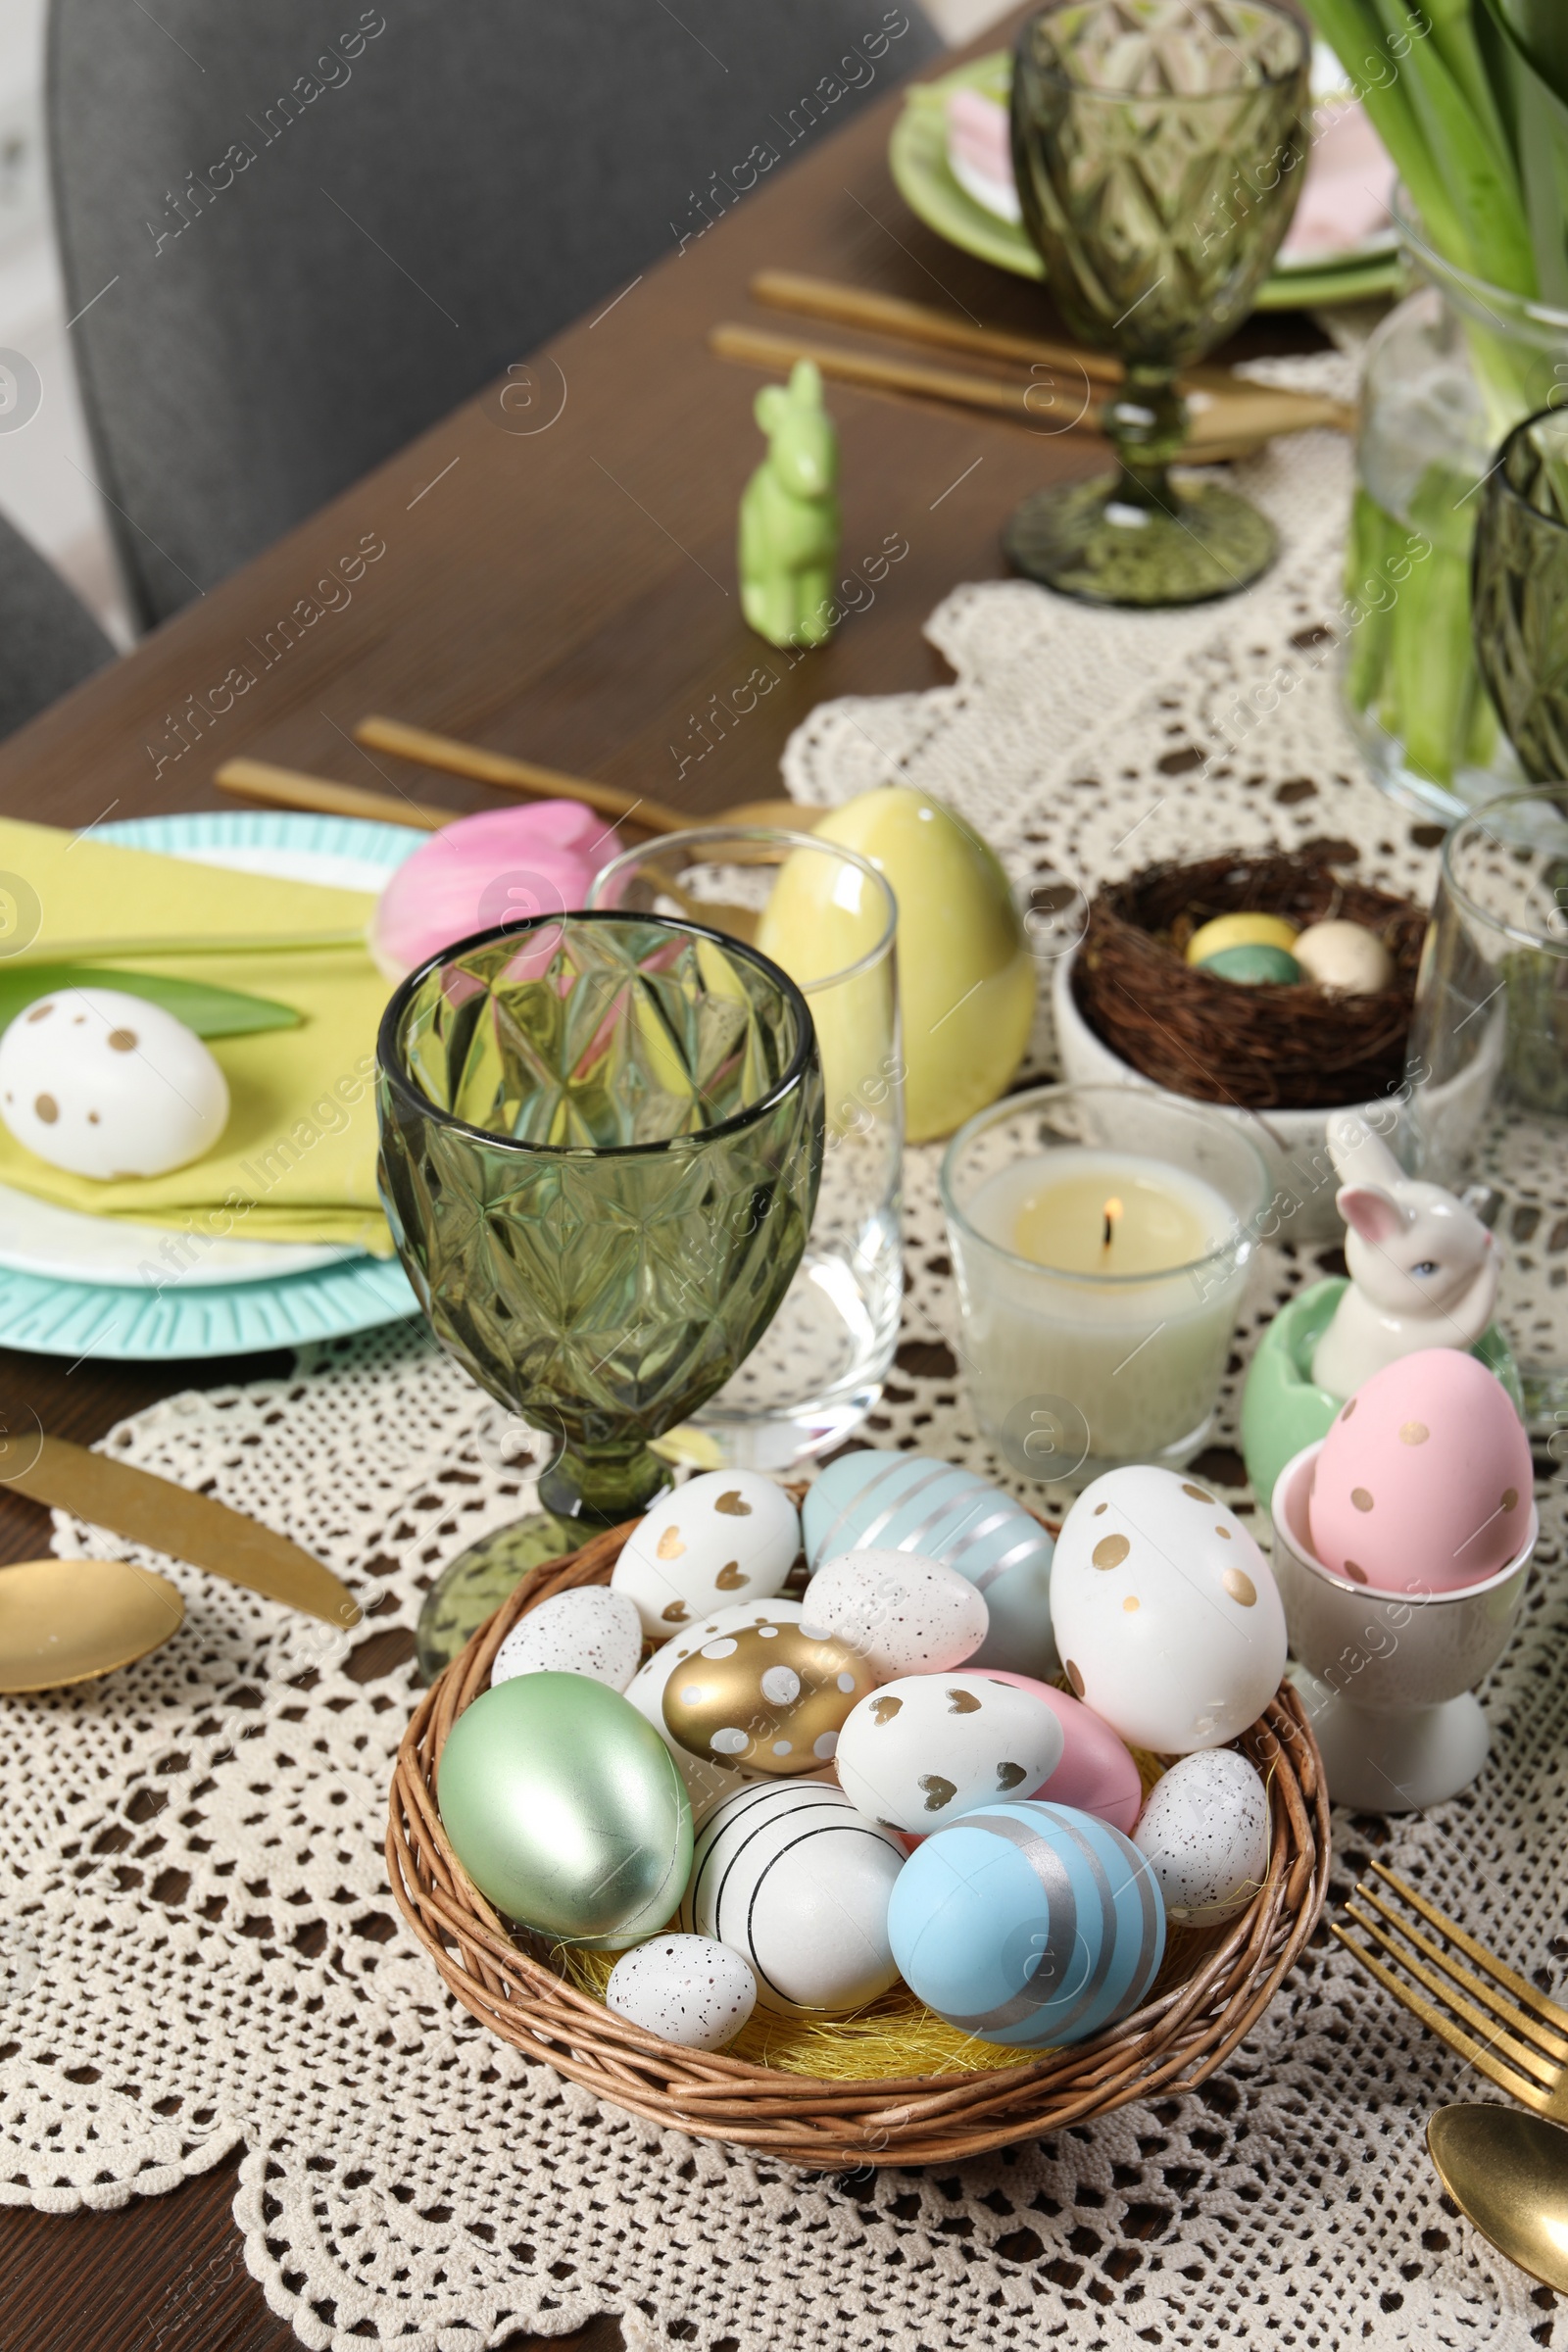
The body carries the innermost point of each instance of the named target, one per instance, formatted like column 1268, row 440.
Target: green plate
column 917, row 155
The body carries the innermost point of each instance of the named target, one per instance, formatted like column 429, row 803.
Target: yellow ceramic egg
column 967, row 978
column 1241, row 931
column 770, row 1698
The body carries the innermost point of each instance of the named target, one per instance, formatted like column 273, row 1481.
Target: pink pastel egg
column 502, row 865
column 1096, row 1773
column 1424, row 1480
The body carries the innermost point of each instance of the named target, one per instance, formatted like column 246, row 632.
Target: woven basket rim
column 502, row 1978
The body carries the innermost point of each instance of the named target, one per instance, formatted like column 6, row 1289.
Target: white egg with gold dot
column 1166, row 1613
column 107, row 1085
column 727, row 1537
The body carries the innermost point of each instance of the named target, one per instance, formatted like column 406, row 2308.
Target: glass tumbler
column 1488, row 1068
column 1158, row 147
column 826, row 918
column 1102, row 1237
column 601, row 1142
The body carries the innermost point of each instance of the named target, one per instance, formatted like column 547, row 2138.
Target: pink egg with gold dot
column 1424, row 1480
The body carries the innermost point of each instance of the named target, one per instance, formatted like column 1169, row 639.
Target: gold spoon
column 1507, row 2171
column 70, row 1621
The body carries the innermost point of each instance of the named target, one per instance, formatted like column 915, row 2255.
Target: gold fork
column 1520, row 2044
column 1507, row 2171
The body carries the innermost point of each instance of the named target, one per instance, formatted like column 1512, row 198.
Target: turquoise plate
column 115, row 1324
column 918, row 157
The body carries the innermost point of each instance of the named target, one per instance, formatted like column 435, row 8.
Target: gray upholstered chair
column 297, row 237
column 49, row 642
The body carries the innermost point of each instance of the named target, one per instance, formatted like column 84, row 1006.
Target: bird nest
column 858, row 2109
column 1279, row 1046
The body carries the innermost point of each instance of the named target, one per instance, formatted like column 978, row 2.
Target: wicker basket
column 1171, row 2044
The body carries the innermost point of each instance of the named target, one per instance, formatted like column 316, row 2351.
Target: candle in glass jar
column 1126, row 1303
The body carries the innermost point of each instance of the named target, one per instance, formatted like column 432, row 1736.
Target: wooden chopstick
column 290, row 788
column 1232, row 426
column 920, row 322
column 506, row 774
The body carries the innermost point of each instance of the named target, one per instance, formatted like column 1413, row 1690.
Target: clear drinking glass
column 1159, row 149
column 1489, row 1058
column 1102, row 1237
column 826, row 918
column 601, row 1138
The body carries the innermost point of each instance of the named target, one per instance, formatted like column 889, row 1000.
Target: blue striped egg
column 908, row 1503
column 1029, row 1923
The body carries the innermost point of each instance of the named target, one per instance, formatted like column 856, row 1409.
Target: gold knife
column 170, row 1518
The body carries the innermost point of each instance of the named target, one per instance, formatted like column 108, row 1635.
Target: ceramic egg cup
column 1202, row 2005
column 1388, row 1677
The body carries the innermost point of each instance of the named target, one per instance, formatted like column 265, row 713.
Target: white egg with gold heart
column 726, row 1536
column 925, row 1748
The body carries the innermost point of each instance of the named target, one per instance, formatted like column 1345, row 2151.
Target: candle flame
column 1112, row 1211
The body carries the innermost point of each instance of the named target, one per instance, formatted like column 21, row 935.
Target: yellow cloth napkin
column 297, row 1160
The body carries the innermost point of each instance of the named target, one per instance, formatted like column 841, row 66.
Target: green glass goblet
column 1159, row 149
column 1519, row 594
column 601, row 1144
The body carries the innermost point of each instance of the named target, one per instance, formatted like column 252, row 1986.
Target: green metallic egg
column 1253, row 965
column 566, row 1809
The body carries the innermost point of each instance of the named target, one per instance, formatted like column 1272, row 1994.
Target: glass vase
column 1448, row 373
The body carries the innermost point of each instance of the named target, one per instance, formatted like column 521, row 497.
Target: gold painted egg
column 770, row 1698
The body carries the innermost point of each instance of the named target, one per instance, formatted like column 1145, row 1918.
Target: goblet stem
column 601, row 1486
column 1146, row 423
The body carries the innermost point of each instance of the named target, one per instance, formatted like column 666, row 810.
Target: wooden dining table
column 555, row 580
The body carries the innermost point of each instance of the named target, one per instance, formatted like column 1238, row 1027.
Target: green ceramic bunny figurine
column 789, row 539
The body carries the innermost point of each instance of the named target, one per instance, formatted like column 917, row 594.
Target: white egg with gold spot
column 1165, row 1612
column 107, row 1085
column 726, row 1536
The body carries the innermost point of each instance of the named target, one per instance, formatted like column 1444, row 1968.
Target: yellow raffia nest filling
column 897, row 2035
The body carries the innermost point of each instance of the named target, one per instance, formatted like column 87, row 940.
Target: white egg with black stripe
column 875, row 1500
column 789, row 1874
column 727, row 1537
column 1030, row 1925
column 927, row 1747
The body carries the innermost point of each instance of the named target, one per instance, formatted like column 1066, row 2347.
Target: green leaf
column 210, row 1011
column 1539, row 30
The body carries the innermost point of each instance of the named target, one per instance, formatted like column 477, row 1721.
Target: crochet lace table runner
column 198, row 1950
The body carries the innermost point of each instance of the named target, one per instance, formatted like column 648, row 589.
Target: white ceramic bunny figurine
column 1423, row 1267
